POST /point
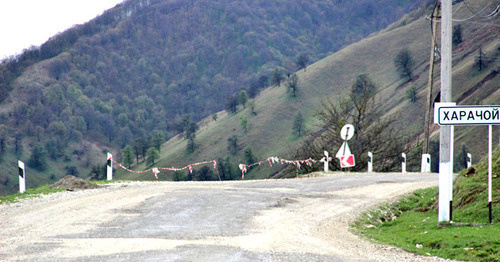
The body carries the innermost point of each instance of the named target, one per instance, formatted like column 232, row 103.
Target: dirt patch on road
column 72, row 183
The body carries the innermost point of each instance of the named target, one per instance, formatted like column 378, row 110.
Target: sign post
column 470, row 116
column 490, row 134
column 109, row 168
column 22, row 177
column 344, row 153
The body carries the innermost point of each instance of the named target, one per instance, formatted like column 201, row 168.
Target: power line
column 491, row 15
column 476, row 14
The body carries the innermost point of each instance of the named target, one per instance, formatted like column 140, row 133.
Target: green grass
column 29, row 193
column 106, row 182
column 412, row 223
column 45, row 190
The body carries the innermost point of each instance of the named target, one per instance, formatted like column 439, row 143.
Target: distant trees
column 116, row 85
column 277, row 77
column 411, row 94
column 302, row 61
column 244, row 123
column 249, row 156
column 204, row 174
column 243, row 98
column 140, row 147
column 189, row 128
column 151, row 155
column 251, row 104
column 257, row 84
column 298, row 125
column 293, row 84
column 456, row 36
column 232, row 104
column 232, row 144
column 481, row 60
column 128, row 156
column 226, row 169
column 38, row 158
column 404, row 63
column 157, row 139
column 98, row 172
column 18, row 144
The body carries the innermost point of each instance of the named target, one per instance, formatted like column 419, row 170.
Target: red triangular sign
column 347, row 161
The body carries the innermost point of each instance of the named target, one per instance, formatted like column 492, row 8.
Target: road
column 264, row 220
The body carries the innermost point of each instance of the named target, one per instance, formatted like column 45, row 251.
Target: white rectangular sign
column 468, row 115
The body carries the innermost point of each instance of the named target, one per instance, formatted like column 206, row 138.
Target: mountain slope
column 270, row 131
column 145, row 64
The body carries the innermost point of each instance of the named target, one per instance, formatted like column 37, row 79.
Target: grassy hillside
column 270, row 131
column 411, row 223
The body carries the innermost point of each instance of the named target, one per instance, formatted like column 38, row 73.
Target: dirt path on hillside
column 270, row 220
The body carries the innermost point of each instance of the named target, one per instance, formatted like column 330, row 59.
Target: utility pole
column 430, row 82
column 446, row 139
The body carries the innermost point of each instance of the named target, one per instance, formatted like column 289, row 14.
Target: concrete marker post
column 370, row 162
column 426, row 163
column 469, row 160
column 109, row 168
column 403, row 163
column 325, row 163
column 22, row 177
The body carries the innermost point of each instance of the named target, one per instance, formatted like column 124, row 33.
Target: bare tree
column 372, row 132
column 404, row 63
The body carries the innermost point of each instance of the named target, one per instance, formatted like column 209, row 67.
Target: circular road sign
column 347, row 132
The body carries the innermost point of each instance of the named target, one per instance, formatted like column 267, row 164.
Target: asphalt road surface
column 304, row 219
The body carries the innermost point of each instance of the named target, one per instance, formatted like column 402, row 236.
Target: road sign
column 468, row 115
column 343, row 151
column 446, row 114
column 347, row 132
column 347, row 161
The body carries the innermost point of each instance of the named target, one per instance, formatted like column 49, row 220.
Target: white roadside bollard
column 469, row 160
column 403, row 163
column 22, row 177
column 109, row 169
column 426, row 163
column 370, row 162
column 325, row 162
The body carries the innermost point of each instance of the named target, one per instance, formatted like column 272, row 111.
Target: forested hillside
column 145, row 64
column 364, row 84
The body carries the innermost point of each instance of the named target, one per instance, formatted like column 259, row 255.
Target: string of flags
column 156, row 170
column 243, row 167
column 273, row 160
column 344, row 155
